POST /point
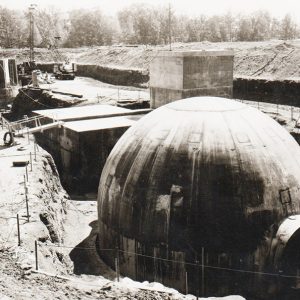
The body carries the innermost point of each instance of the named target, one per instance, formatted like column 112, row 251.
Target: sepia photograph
column 149, row 150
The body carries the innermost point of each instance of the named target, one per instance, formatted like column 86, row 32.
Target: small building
column 82, row 144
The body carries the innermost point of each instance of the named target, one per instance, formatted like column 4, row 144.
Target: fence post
column 28, row 135
column 26, row 198
column 117, row 264
column 292, row 113
column 202, row 272
column 34, row 150
column 30, row 156
column 197, row 277
column 18, row 225
column 26, row 170
column 27, row 208
column 186, row 283
column 36, row 255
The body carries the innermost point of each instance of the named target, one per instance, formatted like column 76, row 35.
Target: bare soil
column 269, row 59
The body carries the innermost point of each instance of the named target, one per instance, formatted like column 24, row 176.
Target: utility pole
column 31, row 32
column 170, row 32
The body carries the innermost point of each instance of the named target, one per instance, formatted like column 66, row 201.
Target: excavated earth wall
column 126, row 77
column 286, row 92
column 30, row 99
column 47, row 206
column 113, row 75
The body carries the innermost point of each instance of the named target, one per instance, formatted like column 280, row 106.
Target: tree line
column 138, row 24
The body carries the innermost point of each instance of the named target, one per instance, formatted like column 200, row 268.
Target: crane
column 26, row 68
column 63, row 71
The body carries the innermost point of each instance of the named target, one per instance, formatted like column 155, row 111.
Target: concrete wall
column 94, row 148
column 4, row 74
column 8, row 73
column 8, row 81
column 79, row 156
column 182, row 74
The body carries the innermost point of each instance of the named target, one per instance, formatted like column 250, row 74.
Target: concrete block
column 8, row 73
column 180, row 74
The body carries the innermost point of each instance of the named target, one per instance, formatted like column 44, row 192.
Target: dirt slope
column 269, row 59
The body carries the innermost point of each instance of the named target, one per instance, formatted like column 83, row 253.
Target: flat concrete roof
column 81, row 112
column 101, row 124
column 187, row 53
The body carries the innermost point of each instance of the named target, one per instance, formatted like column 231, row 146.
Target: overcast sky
column 277, row 8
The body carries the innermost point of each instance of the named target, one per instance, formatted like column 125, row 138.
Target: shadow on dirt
column 86, row 259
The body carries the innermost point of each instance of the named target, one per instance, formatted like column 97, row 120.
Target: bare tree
column 230, row 23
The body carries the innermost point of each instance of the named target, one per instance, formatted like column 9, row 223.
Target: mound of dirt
column 269, row 59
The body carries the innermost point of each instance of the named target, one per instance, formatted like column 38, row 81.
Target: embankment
column 36, row 195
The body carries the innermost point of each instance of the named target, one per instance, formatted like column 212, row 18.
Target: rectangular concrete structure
column 82, row 144
column 81, row 112
column 176, row 75
column 99, row 124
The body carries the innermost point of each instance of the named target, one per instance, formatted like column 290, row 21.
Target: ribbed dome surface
column 199, row 172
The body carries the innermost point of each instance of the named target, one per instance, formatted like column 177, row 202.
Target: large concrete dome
column 201, row 179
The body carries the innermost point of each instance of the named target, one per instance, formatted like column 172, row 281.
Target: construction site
column 155, row 173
